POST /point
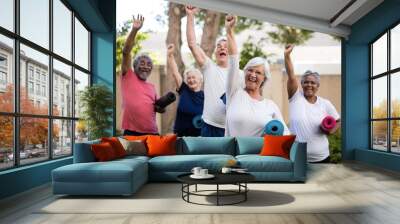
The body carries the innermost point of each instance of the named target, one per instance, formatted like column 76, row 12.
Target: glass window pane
column 395, row 136
column 35, row 21
column 379, row 135
column 33, row 140
column 395, row 47
column 81, row 81
column 6, row 74
column 379, row 55
column 62, row 89
column 81, row 45
column 34, row 97
column 379, row 97
column 6, row 142
column 7, row 14
column 62, row 29
column 81, row 131
column 395, row 94
column 62, row 138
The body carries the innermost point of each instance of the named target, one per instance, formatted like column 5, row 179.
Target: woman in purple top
column 191, row 98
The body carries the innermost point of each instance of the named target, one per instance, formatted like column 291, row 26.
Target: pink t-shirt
column 138, row 98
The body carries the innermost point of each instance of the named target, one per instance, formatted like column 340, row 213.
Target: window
column 37, row 74
column 62, row 29
column 3, row 78
column 3, row 72
column 44, row 91
column 30, row 87
column 47, row 74
column 81, row 45
column 34, row 21
column 30, row 73
column 7, row 14
column 385, row 95
column 7, row 75
column 38, row 89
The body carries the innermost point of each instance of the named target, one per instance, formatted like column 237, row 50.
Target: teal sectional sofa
column 125, row 176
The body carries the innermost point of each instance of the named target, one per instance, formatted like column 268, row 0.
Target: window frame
column 389, row 73
column 16, row 114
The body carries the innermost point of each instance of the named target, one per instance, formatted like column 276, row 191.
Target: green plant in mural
column 97, row 102
column 335, row 147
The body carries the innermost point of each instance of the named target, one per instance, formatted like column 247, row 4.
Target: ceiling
column 326, row 16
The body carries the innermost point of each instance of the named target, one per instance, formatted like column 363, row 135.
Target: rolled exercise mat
column 223, row 98
column 274, row 127
column 197, row 122
column 166, row 100
column 328, row 123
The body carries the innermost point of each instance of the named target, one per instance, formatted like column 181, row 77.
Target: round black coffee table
column 238, row 179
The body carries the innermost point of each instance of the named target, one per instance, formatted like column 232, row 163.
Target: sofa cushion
column 83, row 152
column 103, row 152
column 116, row 145
column 161, row 145
column 185, row 163
column 135, row 147
column 249, row 145
column 112, row 171
column 277, row 145
column 257, row 163
column 207, row 145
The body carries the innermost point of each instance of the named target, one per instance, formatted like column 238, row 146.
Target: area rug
column 166, row 198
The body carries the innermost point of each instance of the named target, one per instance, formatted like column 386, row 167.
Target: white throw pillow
column 135, row 147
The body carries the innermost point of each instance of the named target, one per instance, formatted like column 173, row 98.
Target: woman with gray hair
column 307, row 111
column 191, row 98
column 247, row 112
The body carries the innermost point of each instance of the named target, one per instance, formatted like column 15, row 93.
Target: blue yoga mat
column 197, row 121
column 223, row 98
column 274, row 127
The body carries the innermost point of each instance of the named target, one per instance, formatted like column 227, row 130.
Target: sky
column 321, row 53
column 150, row 9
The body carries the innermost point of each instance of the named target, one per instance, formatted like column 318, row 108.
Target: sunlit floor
column 378, row 189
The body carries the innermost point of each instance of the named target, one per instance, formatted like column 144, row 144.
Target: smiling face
column 310, row 85
column 254, row 77
column 193, row 80
column 143, row 67
column 221, row 52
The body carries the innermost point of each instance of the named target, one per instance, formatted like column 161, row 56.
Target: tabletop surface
column 220, row 178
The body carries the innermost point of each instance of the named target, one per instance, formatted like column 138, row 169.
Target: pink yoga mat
column 328, row 123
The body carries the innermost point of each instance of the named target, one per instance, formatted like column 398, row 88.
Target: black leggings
column 326, row 160
column 134, row 133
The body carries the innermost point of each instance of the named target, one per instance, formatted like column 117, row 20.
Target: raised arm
column 129, row 43
column 292, row 83
column 230, row 22
column 196, row 50
column 233, row 82
column 172, row 66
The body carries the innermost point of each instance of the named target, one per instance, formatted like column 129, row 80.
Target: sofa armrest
column 298, row 155
column 83, row 152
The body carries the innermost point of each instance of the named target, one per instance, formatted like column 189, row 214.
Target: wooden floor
column 377, row 188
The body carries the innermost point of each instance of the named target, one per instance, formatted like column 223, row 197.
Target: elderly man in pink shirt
column 138, row 95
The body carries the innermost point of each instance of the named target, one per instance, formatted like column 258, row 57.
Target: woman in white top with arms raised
column 307, row 110
column 247, row 112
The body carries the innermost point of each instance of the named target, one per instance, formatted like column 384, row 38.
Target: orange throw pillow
column 277, row 145
column 103, row 152
column 161, row 145
column 116, row 145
